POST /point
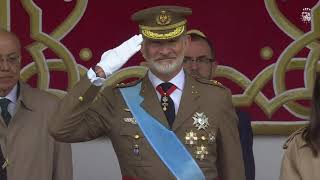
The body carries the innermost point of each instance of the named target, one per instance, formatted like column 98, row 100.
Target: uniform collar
column 178, row 80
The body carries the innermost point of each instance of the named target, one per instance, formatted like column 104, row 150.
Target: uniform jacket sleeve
column 81, row 114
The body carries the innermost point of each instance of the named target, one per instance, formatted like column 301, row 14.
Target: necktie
column 3, row 169
column 4, row 102
column 165, row 89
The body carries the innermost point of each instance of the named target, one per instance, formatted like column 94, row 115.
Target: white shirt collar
column 12, row 96
column 178, row 80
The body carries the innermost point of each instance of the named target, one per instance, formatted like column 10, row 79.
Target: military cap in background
column 196, row 32
column 162, row 22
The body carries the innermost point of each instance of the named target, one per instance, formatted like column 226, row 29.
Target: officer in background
column 200, row 61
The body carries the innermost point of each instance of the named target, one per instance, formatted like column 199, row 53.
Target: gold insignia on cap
column 163, row 18
column 162, row 22
column 153, row 35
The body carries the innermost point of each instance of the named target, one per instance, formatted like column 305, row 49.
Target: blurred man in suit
column 200, row 62
column 27, row 149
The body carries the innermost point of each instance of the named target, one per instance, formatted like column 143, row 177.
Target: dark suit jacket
column 246, row 140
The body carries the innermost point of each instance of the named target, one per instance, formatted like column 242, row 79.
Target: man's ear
column 214, row 68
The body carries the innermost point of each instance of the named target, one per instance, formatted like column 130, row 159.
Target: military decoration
column 136, row 148
column 201, row 152
column 163, row 18
column 130, row 120
column 200, row 121
column 191, row 138
column 165, row 103
column 212, row 138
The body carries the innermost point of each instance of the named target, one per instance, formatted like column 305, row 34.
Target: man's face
column 198, row 60
column 9, row 61
column 165, row 57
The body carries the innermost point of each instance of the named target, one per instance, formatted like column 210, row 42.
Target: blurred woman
column 301, row 159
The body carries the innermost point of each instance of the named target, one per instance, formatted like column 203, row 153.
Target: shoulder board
column 129, row 84
column 211, row 82
column 292, row 136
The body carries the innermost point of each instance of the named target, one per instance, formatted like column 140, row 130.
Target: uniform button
column 136, row 136
column 80, row 98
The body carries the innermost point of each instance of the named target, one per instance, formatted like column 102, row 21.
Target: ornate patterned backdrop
column 268, row 51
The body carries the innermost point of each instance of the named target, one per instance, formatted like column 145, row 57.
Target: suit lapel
column 151, row 103
column 188, row 103
column 24, row 102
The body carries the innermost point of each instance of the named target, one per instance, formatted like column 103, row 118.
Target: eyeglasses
column 199, row 60
column 13, row 59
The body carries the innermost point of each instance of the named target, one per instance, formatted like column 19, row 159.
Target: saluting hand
column 112, row 60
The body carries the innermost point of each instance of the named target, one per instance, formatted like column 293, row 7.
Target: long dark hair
column 312, row 133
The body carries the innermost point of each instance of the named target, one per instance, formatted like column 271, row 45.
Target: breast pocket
column 136, row 146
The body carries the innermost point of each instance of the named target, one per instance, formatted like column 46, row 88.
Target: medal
column 130, row 120
column 165, row 103
column 165, row 96
column 201, row 152
column 136, row 149
column 191, row 138
column 212, row 138
column 200, row 121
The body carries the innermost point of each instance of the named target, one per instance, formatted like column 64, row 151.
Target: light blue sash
column 166, row 144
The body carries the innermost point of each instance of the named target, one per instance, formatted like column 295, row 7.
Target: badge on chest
column 200, row 137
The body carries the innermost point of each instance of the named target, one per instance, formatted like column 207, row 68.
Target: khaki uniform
column 80, row 119
column 298, row 162
column 31, row 152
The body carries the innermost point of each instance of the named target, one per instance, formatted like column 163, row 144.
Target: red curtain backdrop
column 238, row 29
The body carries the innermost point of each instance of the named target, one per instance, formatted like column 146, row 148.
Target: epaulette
column 211, row 82
column 292, row 136
column 129, row 84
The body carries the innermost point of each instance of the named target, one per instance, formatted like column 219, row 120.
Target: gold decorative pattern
column 160, row 28
column 163, row 18
column 85, row 54
column 5, row 14
column 153, row 35
column 51, row 41
column 252, row 88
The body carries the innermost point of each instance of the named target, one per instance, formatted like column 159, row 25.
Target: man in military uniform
column 200, row 61
column 164, row 126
